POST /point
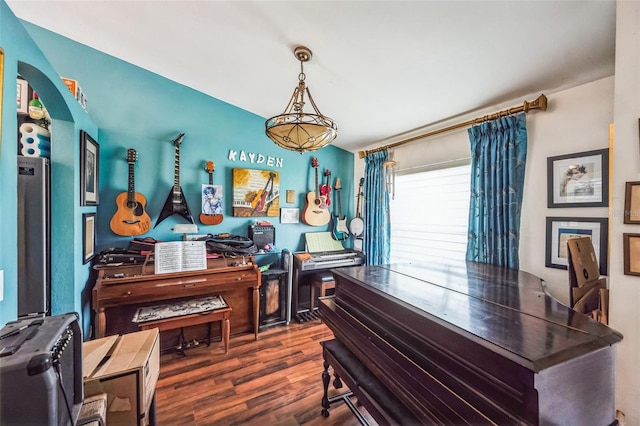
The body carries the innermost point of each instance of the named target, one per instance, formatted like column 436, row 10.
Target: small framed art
column 89, row 170
column 632, row 203
column 560, row 229
column 289, row 215
column 631, row 254
column 88, row 236
column 578, row 180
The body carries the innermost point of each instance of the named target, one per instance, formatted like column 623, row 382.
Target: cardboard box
column 583, row 266
column 126, row 368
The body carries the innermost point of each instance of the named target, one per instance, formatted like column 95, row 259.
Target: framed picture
column 632, row 203
column 578, row 180
column 22, row 96
column 89, row 170
column 289, row 215
column 256, row 193
column 88, row 236
column 631, row 254
column 560, row 229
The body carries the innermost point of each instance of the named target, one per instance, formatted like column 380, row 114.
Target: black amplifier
column 262, row 235
column 41, row 371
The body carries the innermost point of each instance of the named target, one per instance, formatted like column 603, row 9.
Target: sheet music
column 321, row 241
column 179, row 256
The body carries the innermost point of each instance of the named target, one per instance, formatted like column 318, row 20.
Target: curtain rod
column 540, row 103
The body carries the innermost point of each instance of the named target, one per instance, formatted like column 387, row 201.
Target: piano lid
column 500, row 308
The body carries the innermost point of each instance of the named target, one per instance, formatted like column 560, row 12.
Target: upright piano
column 467, row 343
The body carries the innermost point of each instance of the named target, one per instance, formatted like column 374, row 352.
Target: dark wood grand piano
column 466, row 344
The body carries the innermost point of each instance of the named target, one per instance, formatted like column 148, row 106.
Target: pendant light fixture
column 295, row 129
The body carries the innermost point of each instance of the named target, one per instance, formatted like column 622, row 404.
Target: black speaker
column 262, row 235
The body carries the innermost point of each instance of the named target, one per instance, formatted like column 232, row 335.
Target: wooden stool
column 323, row 286
column 180, row 322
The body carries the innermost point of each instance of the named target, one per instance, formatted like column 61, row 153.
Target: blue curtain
column 377, row 231
column 498, row 156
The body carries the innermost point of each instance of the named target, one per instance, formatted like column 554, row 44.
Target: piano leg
column 326, row 378
column 337, row 383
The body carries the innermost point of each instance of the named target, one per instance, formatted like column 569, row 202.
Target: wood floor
column 273, row 381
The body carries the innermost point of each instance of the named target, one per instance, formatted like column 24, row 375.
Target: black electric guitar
column 176, row 202
column 340, row 230
column 130, row 219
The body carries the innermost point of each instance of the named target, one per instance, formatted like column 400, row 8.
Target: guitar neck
column 176, row 176
column 317, row 189
column 131, row 193
column 339, row 204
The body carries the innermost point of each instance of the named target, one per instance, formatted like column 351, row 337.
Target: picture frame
column 632, row 203
column 560, row 229
column 22, row 96
column 631, row 251
column 578, row 180
column 89, row 170
column 289, row 215
column 88, row 237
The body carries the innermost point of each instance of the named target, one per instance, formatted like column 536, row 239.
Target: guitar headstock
column 327, row 172
column 337, row 186
column 209, row 167
column 314, row 162
column 178, row 140
column 132, row 156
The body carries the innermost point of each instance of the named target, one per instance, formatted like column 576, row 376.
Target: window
column 429, row 215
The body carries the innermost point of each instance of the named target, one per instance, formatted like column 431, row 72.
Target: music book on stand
column 180, row 256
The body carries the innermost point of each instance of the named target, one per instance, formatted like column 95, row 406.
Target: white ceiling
column 379, row 68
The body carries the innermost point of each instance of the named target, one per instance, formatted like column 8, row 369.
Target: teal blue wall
column 69, row 275
column 134, row 108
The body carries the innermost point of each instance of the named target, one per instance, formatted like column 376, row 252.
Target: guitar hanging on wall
column 315, row 211
column 340, row 230
column 356, row 226
column 325, row 190
column 211, row 204
column 176, row 202
column 131, row 218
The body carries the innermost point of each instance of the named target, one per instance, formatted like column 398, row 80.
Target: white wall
column 625, row 289
column 576, row 120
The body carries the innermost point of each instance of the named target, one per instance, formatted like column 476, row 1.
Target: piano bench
column 173, row 323
column 322, row 286
column 383, row 406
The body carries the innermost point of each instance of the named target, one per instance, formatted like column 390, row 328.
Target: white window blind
column 429, row 215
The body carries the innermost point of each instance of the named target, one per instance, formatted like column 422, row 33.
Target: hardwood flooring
column 273, row 381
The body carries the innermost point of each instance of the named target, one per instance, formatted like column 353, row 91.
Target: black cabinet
column 275, row 290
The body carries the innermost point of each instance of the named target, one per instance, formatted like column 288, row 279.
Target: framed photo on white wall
column 578, row 180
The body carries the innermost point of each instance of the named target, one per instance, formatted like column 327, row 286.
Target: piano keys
column 306, row 264
column 474, row 344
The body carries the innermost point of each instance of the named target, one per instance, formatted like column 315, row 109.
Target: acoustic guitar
column 131, row 218
column 210, row 204
column 176, row 203
column 340, row 230
column 315, row 212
